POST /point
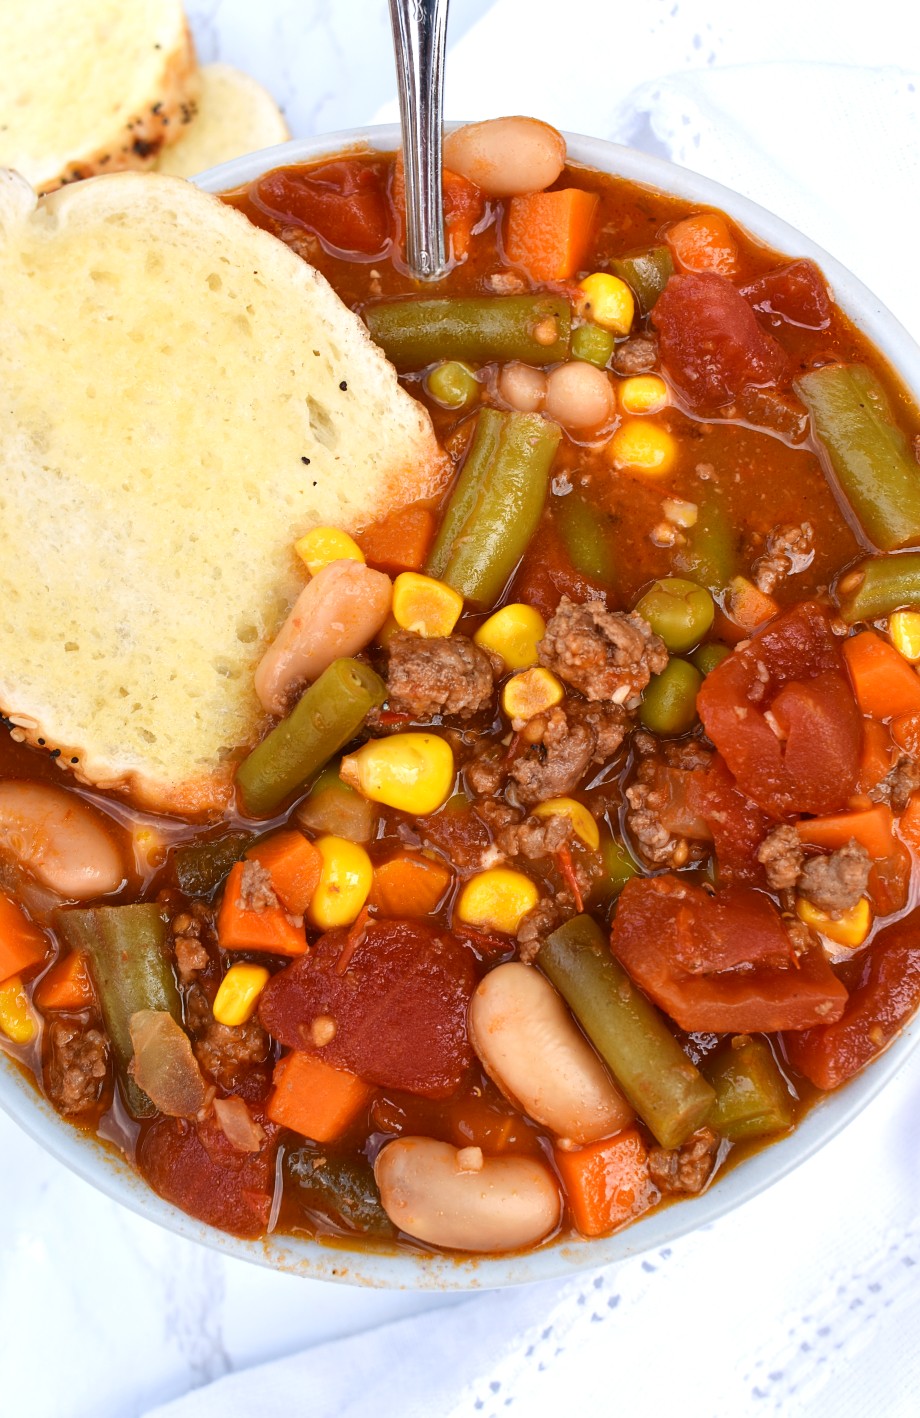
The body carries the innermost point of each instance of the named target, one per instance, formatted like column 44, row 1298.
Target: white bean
column 506, row 156
column 337, row 613
column 578, row 395
column 59, row 840
column 531, row 1047
column 522, row 387
column 463, row 1201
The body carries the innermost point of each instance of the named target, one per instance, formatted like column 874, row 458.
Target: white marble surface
column 103, row 1315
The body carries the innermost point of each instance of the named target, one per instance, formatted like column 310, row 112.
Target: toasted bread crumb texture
column 235, row 116
column 183, row 398
column 96, row 86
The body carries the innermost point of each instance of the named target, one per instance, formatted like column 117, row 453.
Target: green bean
column 340, row 1188
column 414, row 332
column 669, row 703
column 646, row 274
column 679, row 611
column 710, row 555
column 336, row 808
column 707, row 657
column 453, row 384
column 496, row 504
column 878, row 586
column 618, row 868
column 202, row 866
column 327, row 715
column 593, row 344
column 752, row 1098
column 583, row 535
column 126, row 949
column 867, row 452
column 670, row 1095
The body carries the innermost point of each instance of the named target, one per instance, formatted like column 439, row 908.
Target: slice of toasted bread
column 92, row 87
column 182, row 398
column 235, row 116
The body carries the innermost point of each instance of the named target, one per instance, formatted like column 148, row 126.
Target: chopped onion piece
column 239, row 1128
column 164, row 1065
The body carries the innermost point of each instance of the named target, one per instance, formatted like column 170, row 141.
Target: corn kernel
column 238, row 995
column 412, row 772
column 531, row 692
column 904, row 629
column 513, row 634
column 607, row 301
column 642, row 447
column 643, row 394
column 324, row 545
column 497, row 900
column 424, row 605
column 582, row 822
column 849, row 929
column 345, row 879
column 17, row 1021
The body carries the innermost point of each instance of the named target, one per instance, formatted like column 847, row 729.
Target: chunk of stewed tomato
column 387, row 1003
column 736, row 824
column 196, row 1167
column 885, row 994
column 782, row 715
column 343, row 203
column 710, row 342
column 795, row 294
column 722, row 963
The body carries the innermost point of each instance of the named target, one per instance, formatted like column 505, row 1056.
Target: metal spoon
column 419, row 34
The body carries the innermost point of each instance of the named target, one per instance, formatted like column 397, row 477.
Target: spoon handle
column 419, row 34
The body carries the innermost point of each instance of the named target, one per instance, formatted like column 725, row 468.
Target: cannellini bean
column 506, row 156
column 456, row 1198
column 578, row 395
column 337, row 613
column 59, row 840
column 523, row 387
column 531, row 1047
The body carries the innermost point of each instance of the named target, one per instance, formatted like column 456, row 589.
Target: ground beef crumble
column 607, row 655
column 662, row 834
column 898, row 784
column 781, row 856
column 789, row 550
column 224, row 1051
column 834, row 884
column 686, row 1169
column 438, row 675
column 77, row 1065
column 637, row 355
column 189, row 930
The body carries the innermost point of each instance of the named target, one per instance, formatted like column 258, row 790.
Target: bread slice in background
column 235, row 115
column 92, row 86
column 182, row 398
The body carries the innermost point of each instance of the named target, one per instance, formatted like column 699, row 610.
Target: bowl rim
column 105, row 1169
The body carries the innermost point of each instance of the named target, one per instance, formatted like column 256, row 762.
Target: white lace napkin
column 807, row 1300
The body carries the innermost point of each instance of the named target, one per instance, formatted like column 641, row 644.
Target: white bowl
column 102, row 1167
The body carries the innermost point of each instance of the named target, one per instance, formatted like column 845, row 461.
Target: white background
column 103, row 1315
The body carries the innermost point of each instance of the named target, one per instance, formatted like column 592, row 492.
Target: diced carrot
column 872, row 828
column 909, row 823
column 241, row 928
column 400, row 541
column 748, row 606
column 313, row 1098
column 67, row 984
column 703, row 243
column 548, row 233
column 606, row 1183
column 409, row 884
column 905, row 730
column 464, row 204
column 22, row 944
column 294, row 865
column 885, row 684
column 875, row 758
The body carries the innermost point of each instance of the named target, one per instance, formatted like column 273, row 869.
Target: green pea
column 679, row 611
column 669, row 704
column 592, row 344
column 452, row 384
column 708, row 656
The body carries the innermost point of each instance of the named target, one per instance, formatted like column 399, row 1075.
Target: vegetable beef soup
column 579, row 853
